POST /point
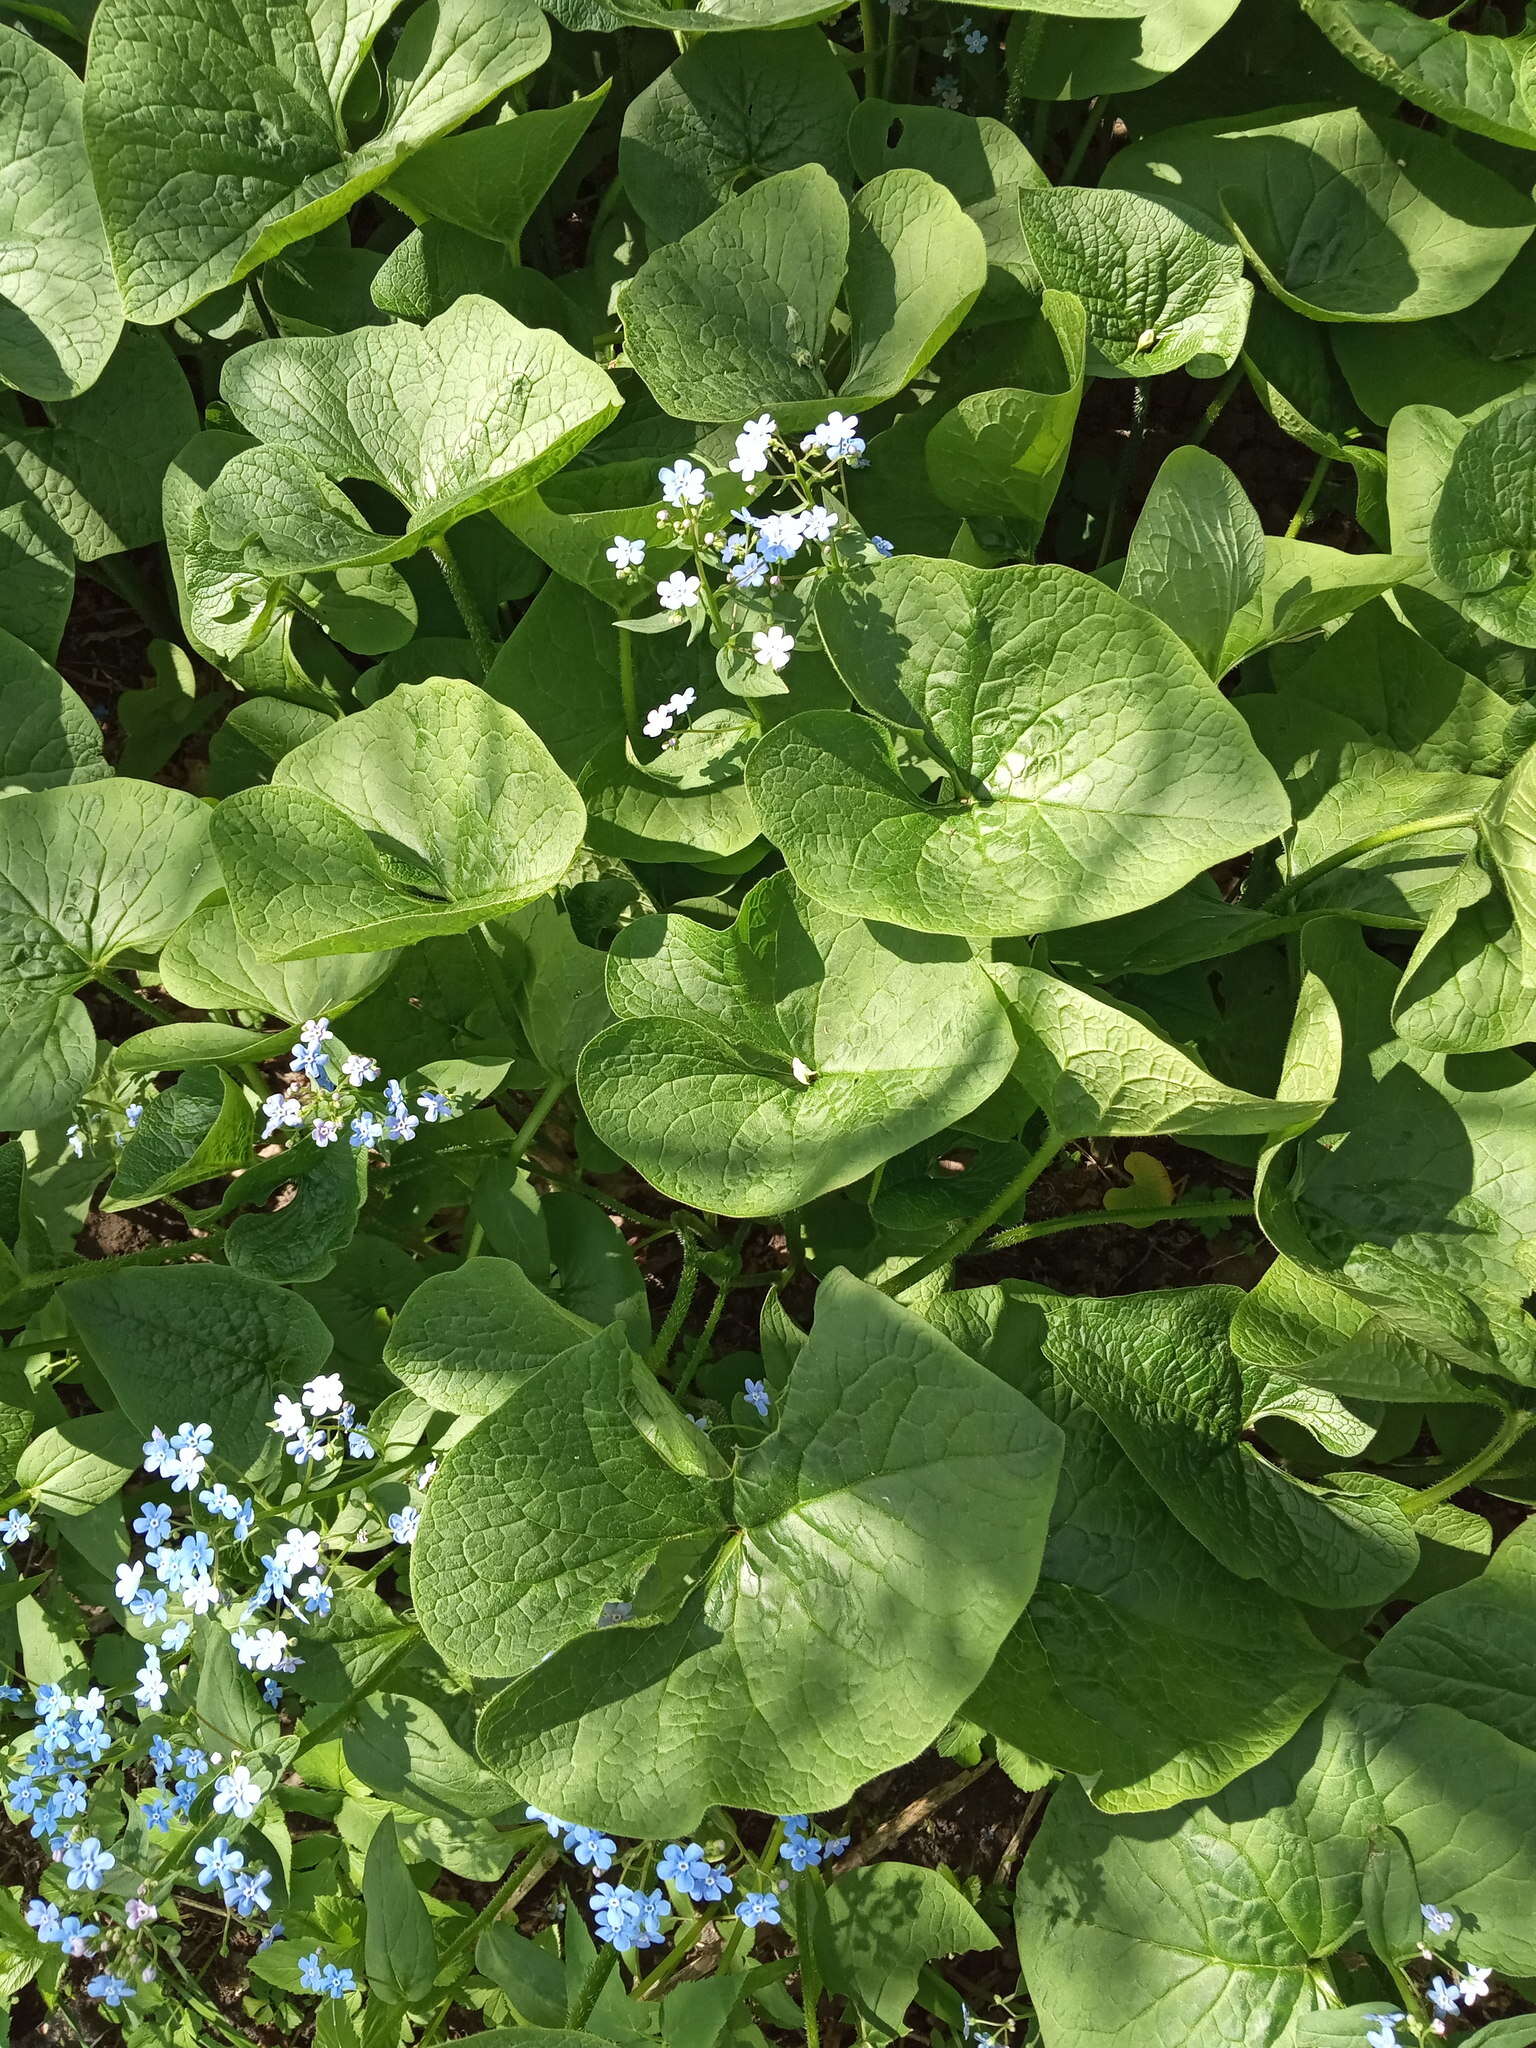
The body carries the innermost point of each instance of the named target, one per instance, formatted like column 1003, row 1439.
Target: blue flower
column 750, row 572
column 628, row 1919
column 1384, row 2034
column 111, row 1989
column 1437, row 1920
column 237, row 1792
column 70, row 1796
column 555, row 1827
column 193, row 1763
column 435, row 1106
column 161, row 1757
column 86, row 1864
column 157, row 1814
column 881, row 545
column 367, row 1130
column 1445, row 1998
column 800, row 1852
column 153, row 1522
column 329, row 1979
column 311, row 1061
column 686, row 1866
column 758, row 1909
column 218, row 1863
column 246, row 1892
column 590, row 1846
column 404, row 1525
column 272, row 1692
column 756, row 1392
column 15, row 1527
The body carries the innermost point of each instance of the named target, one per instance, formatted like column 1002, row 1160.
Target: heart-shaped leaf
column 755, row 1068
column 1059, row 711
column 428, row 813
column 60, row 315
column 897, row 1464
column 1196, row 556
column 1484, row 526
column 47, row 736
column 87, row 872
column 735, row 316
column 1481, row 82
column 216, row 144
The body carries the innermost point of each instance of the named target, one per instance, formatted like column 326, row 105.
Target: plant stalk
column 962, row 1239
column 1411, row 828
column 1088, row 1219
column 1309, row 496
column 1509, row 1432
column 590, row 1989
column 534, row 1121
column 870, row 36
column 682, row 1301
column 120, row 988
column 464, row 598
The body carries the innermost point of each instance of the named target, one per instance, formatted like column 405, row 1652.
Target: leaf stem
column 464, row 598
column 892, row 45
column 1088, row 1219
column 627, row 684
column 962, row 1239
column 810, row 1976
column 534, row 1121
column 1085, row 135
column 519, row 1878
column 699, row 1349
column 682, row 1948
column 120, row 988
column 1218, row 404
column 682, row 1301
column 870, row 36
column 1410, row 828
column 1309, row 496
column 590, row 1989
column 1509, row 1432
column 1124, row 473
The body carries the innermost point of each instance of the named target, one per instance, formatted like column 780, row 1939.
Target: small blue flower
column 758, row 1909
column 591, row 1847
column 86, row 1864
column 218, row 1863
column 246, row 1892
column 756, row 1393
column 800, row 1852
column 881, row 545
column 403, row 1526
column 157, row 1814
column 367, row 1129
column 1445, row 1998
column 435, row 1106
column 684, row 484
column 686, row 1866
column 193, row 1763
column 15, row 1527
column 153, row 1523
column 1437, row 1920
column 111, row 1989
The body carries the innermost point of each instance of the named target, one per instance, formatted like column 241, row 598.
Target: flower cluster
column 749, row 552
column 328, row 1979
column 801, row 1849
column 1450, row 1996
column 327, row 1098
column 590, row 1846
column 321, row 1423
column 627, row 1919
column 102, row 1123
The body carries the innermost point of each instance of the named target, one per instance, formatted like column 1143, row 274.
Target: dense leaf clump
column 767, row 999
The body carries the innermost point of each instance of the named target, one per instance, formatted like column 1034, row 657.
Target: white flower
column 263, row 1650
column 127, row 1582
column 683, row 484
column 288, row 1418
column 315, row 1032
column 403, row 1526
column 626, row 554
column 426, row 1475
column 681, row 703
column 323, row 1395
column 358, row 1069
column 282, row 1112
column 298, row 1552
column 773, row 648
column 200, row 1594
column 152, row 1688
column 837, row 430
column 678, row 593
column 751, row 457
column 74, row 1140
column 237, row 1792
column 1474, row 1983
column 657, row 722
column 817, row 522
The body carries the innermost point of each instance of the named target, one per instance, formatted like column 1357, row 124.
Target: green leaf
column 1471, row 983
column 440, row 772
column 1059, row 709
column 1196, row 556
column 1346, row 216
column 79, row 1464
column 1162, row 284
column 1306, row 587
column 399, row 1951
column 876, row 1928
column 1484, row 525
column 37, row 568
column 87, row 872
column 751, row 104
column 299, row 1241
column 1141, row 1664
column 1098, row 1071
column 753, row 1069
column 735, row 315
column 208, row 966
column 465, row 1341
column 898, row 1471
column 47, row 736
column 1416, row 1192
column 1478, row 82
column 96, row 462
column 1508, row 834
column 450, row 418
column 60, row 315
column 197, row 1130
column 214, row 146
column 1081, row 55
column 1116, row 1924
column 1159, row 1372
column 202, row 1341
column 488, row 181
column 229, row 1707
column 582, row 1503
column 404, row 1751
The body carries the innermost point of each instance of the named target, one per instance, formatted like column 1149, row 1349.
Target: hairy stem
column 1089, row 1219
column 464, row 598
column 682, row 1301
column 120, row 988
column 1509, row 1432
column 1411, row 828
column 590, row 1989
column 962, row 1239
column 1309, row 496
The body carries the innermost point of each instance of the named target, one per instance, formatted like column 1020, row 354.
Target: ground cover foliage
column 767, row 975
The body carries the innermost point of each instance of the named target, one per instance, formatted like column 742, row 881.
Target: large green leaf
column 1196, row 555
column 218, row 139
column 208, row 966
column 753, row 1069
column 1416, row 1192
column 735, row 316
column 1159, row 1372
column 1481, row 82
column 1345, row 215
column 47, row 736
column 1471, row 1649
column 1484, row 526
column 428, row 813
column 451, row 418
column 729, row 107
column 1471, row 983
column 1141, row 1664
column 1163, row 285
column 60, row 315
column 200, row 1129
column 1203, row 1924
column 1099, row 1071
column 488, row 181
column 1092, row 767
column 198, row 1343
column 823, row 1642
column 87, row 872
column 1082, row 54
column 465, row 1340
column 876, row 1928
